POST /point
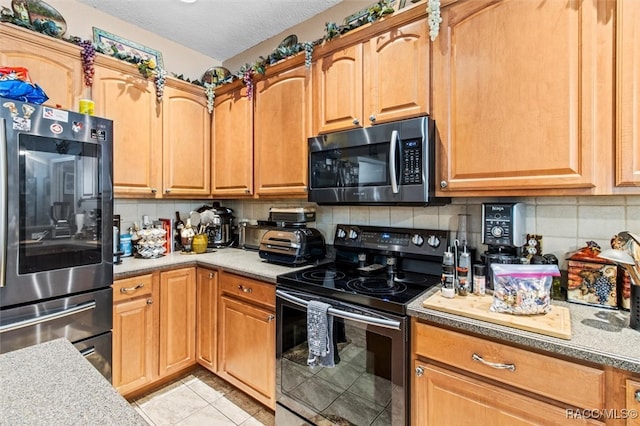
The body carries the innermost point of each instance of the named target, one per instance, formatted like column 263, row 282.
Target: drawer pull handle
column 130, row 289
column 245, row 289
column 637, row 396
column 510, row 367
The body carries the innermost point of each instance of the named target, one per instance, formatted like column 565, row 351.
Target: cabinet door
column 133, row 344
column 247, row 348
column 523, row 109
column 337, row 90
column 628, row 94
column 53, row 65
column 442, row 397
column 207, row 318
column 177, row 320
column 391, row 91
column 123, row 96
column 186, row 143
column 633, row 402
column 232, row 143
column 281, row 128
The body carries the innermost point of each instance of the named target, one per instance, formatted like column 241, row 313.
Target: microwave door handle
column 392, row 161
column 3, row 200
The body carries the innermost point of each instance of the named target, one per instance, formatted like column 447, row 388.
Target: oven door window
column 366, row 165
column 365, row 387
column 59, row 216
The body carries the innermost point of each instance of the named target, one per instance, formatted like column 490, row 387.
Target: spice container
column 479, row 279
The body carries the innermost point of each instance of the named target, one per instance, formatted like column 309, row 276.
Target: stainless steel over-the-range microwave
column 386, row 164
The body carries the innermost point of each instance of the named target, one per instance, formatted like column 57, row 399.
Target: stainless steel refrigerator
column 56, row 209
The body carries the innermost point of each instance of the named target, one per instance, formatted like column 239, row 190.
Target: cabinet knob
column 372, row 118
column 149, row 301
column 637, row 395
column 443, row 184
column 245, row 289
column 247, row 191
column 271, row 318
column 211, row 275
column 419, row 371
column 153, row 190
column 167, row 191
column 356, row 121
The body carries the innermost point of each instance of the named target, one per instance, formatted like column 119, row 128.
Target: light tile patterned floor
column 201, row 398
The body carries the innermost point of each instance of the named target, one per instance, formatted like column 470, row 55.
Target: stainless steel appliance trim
column 3, row 200
column 48, row 317
column 365, row 319
column 393, row 143
column 88, row 351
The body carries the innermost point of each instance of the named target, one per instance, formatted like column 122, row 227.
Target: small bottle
column 464, row 272
column 448, row 274
column 479, row 279
column 178, row 226
column 187, row 235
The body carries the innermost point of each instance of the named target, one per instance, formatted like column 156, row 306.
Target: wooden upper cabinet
column 232, row 144
column 338, row 90
column 130, row 101
column 396, row 76
column 522, row 97
column 281, row 128
column 53, row 65
column 628, row 94
column 186, row 141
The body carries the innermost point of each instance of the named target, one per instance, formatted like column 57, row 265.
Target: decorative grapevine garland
column 211, row 95
column 88, row 55
column 433, row 11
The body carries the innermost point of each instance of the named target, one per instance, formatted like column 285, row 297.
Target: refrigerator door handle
column 3, row 200
column 81, row 307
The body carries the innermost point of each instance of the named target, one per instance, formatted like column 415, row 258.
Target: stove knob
column 417, row 240
column 433, row 241
column 340, row 233
column 353, row 234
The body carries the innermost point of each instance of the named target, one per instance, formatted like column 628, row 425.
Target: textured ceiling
column 220, row 29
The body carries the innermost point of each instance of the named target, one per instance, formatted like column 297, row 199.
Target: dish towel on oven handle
column 319, row 334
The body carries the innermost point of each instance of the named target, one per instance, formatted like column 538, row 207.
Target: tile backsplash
column 565, row 223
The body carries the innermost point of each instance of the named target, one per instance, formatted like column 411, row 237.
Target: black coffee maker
column 503, row 233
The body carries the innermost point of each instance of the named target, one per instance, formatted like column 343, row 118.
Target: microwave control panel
column 503, row 224
column 411, row 162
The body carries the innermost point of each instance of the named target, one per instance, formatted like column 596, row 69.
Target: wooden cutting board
column 556, row 323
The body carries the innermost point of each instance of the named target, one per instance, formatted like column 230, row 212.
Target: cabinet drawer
column 129, row 288
column 572, row 383
column 248, row 289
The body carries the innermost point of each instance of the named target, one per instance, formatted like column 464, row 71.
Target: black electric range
column 382, row 268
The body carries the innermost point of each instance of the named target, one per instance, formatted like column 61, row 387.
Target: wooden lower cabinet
column 468, row 380
column 135, row 341
column 445, row 397
column 207, row 318
column 177, row 320
column 246, row 336
column 633, row 402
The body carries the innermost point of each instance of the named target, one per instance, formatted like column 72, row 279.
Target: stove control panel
column 427, row 242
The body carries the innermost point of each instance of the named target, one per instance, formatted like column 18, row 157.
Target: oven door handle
column 365, row 319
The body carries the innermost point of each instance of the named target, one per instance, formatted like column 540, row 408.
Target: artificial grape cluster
column 308, row 53
column 247, row 78
column 158, row 79
column 88, row 55
column 433, row 11
column 211, row 95
column 603, row 287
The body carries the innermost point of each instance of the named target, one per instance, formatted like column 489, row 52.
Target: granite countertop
column 243, row 262
column 52, row 384
column 598, row 335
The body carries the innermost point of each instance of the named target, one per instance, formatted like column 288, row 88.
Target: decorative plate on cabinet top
column 289, row 41
column 216, row 75
column 42, row 16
